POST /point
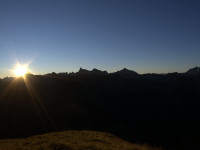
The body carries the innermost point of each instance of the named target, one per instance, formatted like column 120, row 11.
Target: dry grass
column 72, row 140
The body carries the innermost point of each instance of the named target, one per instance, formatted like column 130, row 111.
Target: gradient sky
column 63, row 35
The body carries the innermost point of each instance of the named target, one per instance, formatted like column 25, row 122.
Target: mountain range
column 159, row 109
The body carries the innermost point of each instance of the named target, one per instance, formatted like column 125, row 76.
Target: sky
column 147, row 36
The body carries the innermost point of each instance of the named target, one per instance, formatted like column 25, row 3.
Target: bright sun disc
column 20, row 71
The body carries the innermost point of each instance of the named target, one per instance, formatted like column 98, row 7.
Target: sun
column 20, row 71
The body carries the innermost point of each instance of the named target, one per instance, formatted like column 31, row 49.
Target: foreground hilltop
column 159, row 109
column 72, row 140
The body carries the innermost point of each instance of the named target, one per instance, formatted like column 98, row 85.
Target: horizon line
column 103, row 71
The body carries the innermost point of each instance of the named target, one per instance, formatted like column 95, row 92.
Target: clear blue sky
column 64, row 35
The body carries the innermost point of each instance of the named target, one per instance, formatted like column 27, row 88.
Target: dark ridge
column 194, row 71
column 124, row 72
column 83, row 71
column 96, row 71
column 157, row 109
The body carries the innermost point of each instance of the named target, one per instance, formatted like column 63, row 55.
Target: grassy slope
column 72, row 140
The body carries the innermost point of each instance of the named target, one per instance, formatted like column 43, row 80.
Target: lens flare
column 20, row 71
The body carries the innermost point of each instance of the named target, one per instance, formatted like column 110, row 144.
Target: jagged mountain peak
column 81, row 70
column 127, row 71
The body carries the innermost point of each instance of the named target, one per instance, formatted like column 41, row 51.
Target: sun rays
column 37, row 102
column 23, row 77
column 20, row 71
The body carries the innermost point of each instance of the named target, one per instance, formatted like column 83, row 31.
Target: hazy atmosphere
column 62, row 36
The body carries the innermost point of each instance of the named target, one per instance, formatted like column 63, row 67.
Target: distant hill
column 72, row 140
column 194, row 71
column 159, row 109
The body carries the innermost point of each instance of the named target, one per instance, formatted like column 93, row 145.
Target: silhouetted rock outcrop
column 99, row 72
column 126, row 72
column 83, row 71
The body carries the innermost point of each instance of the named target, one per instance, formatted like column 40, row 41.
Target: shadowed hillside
column 157, row 109
column 72, row 140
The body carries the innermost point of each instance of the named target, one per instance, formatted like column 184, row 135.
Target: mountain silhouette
column 159, row 109
column 194, row 71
